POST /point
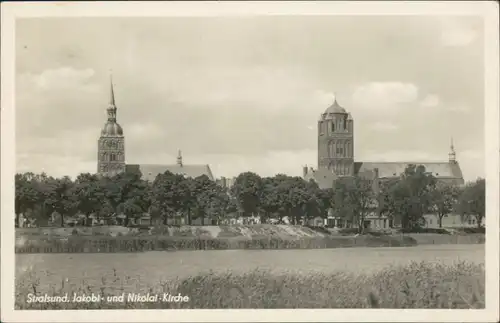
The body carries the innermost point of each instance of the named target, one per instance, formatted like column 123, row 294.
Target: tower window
column 112, row 157
column 340, row 150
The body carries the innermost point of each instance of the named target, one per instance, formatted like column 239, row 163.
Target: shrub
column 425, row 230
column 471, row 230
column 78, row 244
column 417, row 285
column 321, row 230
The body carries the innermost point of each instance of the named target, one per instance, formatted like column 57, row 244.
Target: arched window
column 112, row 157
column 333, row 126
column 339, row 149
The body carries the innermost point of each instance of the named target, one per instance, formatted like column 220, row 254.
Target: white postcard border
column 487, row 9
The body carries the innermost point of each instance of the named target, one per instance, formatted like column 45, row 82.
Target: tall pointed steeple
column 112, row 106
column 179, row 158
column 452, row 155
column 112, row 91
column 111, row 144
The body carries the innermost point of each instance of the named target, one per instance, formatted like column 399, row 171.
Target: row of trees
column 404, row 200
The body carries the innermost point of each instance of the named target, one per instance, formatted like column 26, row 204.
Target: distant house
column 144, row 220
column 245, row 220
column 450, row 221
column 204, row 221
column 316, row 222
column 373, row 221
column 226, row 182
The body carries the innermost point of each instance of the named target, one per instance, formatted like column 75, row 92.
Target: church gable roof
column 323, row 177
column 150, row 171
column 394, row 169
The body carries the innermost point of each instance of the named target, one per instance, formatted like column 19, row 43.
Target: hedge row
column 83, row 244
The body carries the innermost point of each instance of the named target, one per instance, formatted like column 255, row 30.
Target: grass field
column 415, row 285
column 133, row 272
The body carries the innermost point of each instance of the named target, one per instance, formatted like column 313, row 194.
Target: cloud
column 457, row 107
column 55, row 164
column 61, row 79
column 215, row 94
column 430, row 101
column 278, row 89
column 472, row 163
column 384, row 126
column 471, row 154
column 56, row 101
column 144, row 131
column 381, row 96
column 456, row 34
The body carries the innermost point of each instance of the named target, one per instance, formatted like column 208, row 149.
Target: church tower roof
column 452, row 155
column 335, row 108
column 112, row 92
column 179, row 158
column 111, row 128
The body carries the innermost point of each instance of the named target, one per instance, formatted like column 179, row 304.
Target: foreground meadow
column 415, row 285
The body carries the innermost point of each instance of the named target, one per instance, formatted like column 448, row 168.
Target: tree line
column 403, row 200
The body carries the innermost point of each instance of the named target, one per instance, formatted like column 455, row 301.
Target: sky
column 245, row 93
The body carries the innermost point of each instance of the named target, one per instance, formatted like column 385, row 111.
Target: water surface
column 155, row 266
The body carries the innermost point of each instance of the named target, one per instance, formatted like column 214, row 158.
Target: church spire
column 179, row 158
column 112, row 107
column 112, row 92
column 452, row 155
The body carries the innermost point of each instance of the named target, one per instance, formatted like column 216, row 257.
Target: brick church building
column 111, row 153
column 336, row 155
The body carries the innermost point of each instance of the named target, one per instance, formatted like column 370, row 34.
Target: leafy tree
column 26, row 195
column 472, row 201
column 354, row 200
column 315, row 205
column 388, row 205
column 248, row 189
column 169, row 194
column 294, row 195
column 219, row 203
column 270, row 204
column 89, row 194
column 411, row 196
column 443, row 200
column 207, row 199
column 130, row 209
column 125, row 189
column 58, row 197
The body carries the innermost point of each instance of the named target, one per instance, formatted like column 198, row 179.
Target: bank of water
column 152, row 267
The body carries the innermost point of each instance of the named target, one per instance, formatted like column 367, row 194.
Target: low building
column 226, row 182
column 451, row 221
